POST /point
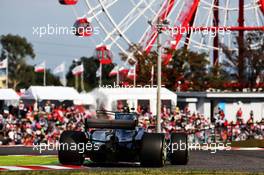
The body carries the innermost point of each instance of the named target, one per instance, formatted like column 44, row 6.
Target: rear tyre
column 179, row 154
column 153, row 152
column 67, row 155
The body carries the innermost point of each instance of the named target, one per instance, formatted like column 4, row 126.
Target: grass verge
column 248, row 143
column 142, row 171
column 28, row 160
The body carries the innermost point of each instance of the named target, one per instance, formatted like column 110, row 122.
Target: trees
column 187, row 67
column 254, row 57
column 16, row 49
column 144, row 64
column 91, row 65
column 30, row 77
column 189, row 70
column 21, row 75
column 246, row 74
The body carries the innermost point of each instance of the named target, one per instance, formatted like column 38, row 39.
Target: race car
column 121, row 140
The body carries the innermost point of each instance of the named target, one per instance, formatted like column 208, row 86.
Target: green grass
column 49, row 160
column 126, row 172
column 28, row 160
column 248, row 143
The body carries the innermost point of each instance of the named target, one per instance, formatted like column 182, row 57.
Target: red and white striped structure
column 137, row 23
column 40, row 167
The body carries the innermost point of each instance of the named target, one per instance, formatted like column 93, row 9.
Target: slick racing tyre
column 179, row 154
column 67, row 155
column 153, row 150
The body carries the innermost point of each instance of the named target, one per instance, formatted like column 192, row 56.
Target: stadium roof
column 108, row 95
column 85, row 99
column 59, row 93
column 221, row 94
column 139, row 93
column 8, row 94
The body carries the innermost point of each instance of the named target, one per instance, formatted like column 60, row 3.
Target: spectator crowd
column 26, row 125
column 202, row 129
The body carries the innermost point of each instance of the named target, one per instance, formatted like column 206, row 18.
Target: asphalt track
column 241, row 161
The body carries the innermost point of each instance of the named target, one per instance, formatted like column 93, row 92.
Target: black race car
column 121, row 140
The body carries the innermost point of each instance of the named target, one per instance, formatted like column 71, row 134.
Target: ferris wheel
column 122, row 24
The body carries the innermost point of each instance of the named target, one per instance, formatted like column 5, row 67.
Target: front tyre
column 67, row 153
column 153, row 151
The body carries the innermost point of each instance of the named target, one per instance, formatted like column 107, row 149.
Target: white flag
column 152, row 75
column 132, row 73
column 78, row 70
column 60, row 68
column 98, row 72
column 152, row 72
column 3, row 64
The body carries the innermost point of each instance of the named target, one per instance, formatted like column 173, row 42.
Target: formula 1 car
column 121, row 140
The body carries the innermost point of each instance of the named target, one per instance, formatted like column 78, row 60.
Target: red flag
column 114, row 71
column 40, row 68
column 123, row 70
column 78, row 70
column 131, row 73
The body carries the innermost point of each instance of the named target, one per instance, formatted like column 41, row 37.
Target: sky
column 19, row 17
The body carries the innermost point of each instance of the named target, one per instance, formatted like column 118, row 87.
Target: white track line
column 248, row 149
column 56, row 167
column 202, row 148
column 14, row 168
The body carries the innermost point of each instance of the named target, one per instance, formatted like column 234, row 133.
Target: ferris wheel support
column 129, row 20
column 165, row 11
column 113, row 23
column 241, row 28
column 211, row 15
column 216, row 39
column 106, row 32
column 185, row 22
column 97, row 10
column 241, row 60
column 261, row 2
column 187, row 41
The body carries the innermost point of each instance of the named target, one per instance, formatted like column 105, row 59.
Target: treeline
column 187, row 71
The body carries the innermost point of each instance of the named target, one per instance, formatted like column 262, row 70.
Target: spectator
column 239, row 116
column 46, row 125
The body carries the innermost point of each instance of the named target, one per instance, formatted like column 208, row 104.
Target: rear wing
column 111, row 124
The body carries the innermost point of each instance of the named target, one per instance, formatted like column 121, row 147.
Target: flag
column 123, row 70
column 152, row 72
column 41, row 67
column 3, row 64
column 78, row 70
column 114, row 71
column 98, row 72
column 132, row 73
column 60, row 68
column 152, row 75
